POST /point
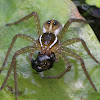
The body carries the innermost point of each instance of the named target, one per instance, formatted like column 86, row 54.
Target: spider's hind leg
column 13, row 64
column 70, row 53
column 65, row 71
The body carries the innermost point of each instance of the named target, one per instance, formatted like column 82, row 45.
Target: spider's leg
column 26, row 37
column 66, row 26
column 23, row 50
column 70, row 53
column 74, row 40
column 13, row 64
column 15, row 78
column 30, row 57
column 36, row 18
column 57, row 57
column 66, row 70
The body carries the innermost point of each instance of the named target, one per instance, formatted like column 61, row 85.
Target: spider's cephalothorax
column 50, row 46
column 47, row 42
column 43, row 62
column 49, row 39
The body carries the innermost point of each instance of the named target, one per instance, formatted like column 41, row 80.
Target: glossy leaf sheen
column 73, row 85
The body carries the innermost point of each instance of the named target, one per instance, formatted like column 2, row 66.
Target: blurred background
column 90, row 10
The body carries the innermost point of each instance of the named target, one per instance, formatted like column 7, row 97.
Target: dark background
column 91, row 13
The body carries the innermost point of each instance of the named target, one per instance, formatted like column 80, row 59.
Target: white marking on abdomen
column 40, row 41
column 54, row 42
column 51, row 44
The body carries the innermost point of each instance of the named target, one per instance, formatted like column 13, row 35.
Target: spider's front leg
column 74, row 40
column 70, row 53
column 13, row 64
column 66, row 70
column 26, row 37
column 66, row 26
column 37, row 22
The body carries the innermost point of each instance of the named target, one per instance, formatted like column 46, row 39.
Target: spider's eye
column 55, row 22
column 49, row 21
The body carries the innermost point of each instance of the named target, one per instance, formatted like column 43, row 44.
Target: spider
column 50, row 48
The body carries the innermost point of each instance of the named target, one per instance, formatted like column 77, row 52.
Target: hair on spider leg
column 50, row 49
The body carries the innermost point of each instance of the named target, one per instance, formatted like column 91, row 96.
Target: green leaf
column 74, row 84
column 93, row 2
